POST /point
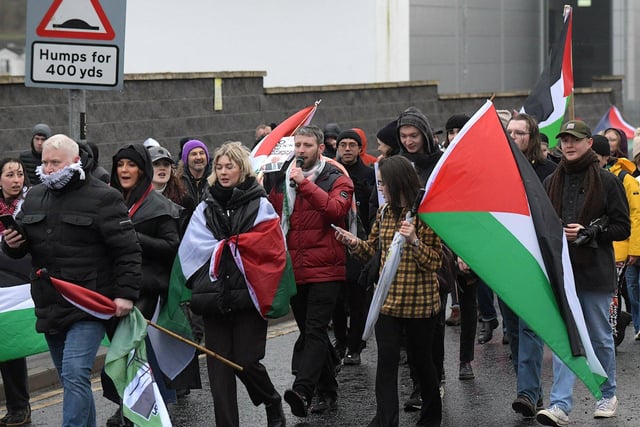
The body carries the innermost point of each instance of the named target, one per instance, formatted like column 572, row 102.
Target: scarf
column 57, row 180
column 592, row 185
column 290, row 192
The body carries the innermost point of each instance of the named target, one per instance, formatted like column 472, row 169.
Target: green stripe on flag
column 551, row 129
column 18, row 335
column 286, row 289
column 514, row 274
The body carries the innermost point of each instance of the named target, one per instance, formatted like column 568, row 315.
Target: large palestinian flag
column 494, row 213
column 550, row 97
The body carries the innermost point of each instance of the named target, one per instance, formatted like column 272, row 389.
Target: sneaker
column 523, row 406
column 414, row 403
column 298, row 403
column 486, row 330
column 637, row 338
column 352, row 359
column 324, row 404
column 18, row 418
column 606, row 407
column 441, row 389
column 554, row 416
column 466, row 372
column 454, row 317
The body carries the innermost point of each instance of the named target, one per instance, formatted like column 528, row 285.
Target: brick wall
column 168, row 107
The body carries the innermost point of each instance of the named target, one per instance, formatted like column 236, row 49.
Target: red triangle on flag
column 76, row 21
column 497, row 189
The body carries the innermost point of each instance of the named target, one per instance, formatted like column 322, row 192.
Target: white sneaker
column 638, row 336
column 553, row 416
column 606, row 408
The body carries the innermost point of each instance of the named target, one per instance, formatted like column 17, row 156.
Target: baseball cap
column 577, row 128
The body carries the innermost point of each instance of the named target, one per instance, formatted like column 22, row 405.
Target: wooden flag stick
column 198, row 346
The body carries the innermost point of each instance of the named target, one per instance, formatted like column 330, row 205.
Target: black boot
column 275, row 414
column 624, row 319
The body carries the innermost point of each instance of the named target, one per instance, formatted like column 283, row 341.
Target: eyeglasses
column 351, row 145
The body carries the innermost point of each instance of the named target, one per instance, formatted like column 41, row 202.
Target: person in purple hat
column 195, row 158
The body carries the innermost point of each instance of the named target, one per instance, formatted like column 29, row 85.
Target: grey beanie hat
column 41, row 129
column 414, row 117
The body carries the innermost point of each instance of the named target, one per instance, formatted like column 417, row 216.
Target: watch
column 416, row 242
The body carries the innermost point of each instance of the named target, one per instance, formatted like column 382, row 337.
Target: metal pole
column 77, row 115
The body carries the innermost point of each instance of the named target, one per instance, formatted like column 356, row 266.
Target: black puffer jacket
column 156, row 225
column 229, row 212
column 81, row 234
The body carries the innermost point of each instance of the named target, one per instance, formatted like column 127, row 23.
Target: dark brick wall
column 168, row 107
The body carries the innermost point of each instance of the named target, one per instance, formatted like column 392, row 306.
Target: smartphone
column 336, row 228
column 10, row 223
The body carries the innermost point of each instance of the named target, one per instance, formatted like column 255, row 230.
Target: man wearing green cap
column 592, row 205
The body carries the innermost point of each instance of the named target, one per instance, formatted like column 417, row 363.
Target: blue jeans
column 73, row 353
column 633, row 290
column 530, row 353
column 595, row 306
column 485, row 302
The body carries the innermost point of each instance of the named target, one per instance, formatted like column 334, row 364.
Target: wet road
column 484, row 401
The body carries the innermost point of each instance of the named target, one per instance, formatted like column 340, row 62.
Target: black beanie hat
column 601, row 145
column 331, row 129
column 457, row 121
column 389, row 135
column 131, row 154
column 349, row 133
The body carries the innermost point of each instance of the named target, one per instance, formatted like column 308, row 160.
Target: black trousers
column 240, row 337
column 313, row 362
column 352, row 304
column 16, row 387
column 467, row 296
column 419, row 335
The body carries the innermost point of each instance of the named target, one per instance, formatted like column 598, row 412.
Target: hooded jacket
column 624, row 148
column 156, row 226
column 423, row 162
column 630, row 246
column 82, row 234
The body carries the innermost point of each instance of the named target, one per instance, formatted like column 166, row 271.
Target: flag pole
column 572, row 110
column 198, row 346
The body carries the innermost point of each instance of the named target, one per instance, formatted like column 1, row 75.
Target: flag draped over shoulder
column 497, row 217
column 126, row 364
column 18, row 336
column 613, row 119
column 551, row 94
column 260, row 254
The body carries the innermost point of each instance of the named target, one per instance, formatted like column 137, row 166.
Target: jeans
column 73, row 353
column 485, row 302
column 633, row 290
column 595, row 306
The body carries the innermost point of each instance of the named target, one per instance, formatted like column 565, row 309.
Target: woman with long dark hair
column 13, row 187
column 413, row 303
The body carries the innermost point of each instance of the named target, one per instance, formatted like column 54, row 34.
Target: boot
column 275, row 414
column 454, row 317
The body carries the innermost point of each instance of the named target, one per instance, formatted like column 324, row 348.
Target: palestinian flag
column 260, row 254
column 497, row 217
column 613, row 119
column 127, row 366
column 89, row 301
column 18, row 319
column 263, row 149
column 550, row 97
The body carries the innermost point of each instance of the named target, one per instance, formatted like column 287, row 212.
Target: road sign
column 75, row 44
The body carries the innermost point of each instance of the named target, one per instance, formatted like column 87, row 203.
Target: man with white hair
column 77, row 228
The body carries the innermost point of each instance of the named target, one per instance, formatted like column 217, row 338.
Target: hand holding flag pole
column 103, row 307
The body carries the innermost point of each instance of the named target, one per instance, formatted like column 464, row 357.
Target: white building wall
column 296, row 42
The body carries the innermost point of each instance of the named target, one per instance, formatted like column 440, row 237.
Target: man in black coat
column 77, row 228
column 32, row 158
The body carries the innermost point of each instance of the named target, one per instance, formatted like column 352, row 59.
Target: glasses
column 351, row 145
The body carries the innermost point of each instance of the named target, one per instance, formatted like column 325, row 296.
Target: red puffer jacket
column 316, row 255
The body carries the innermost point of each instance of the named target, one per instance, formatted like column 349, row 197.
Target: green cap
column 577, row 128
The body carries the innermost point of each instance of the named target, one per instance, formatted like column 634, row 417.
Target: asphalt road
column 484, row 401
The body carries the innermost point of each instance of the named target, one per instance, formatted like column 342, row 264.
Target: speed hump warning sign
column 75, row 44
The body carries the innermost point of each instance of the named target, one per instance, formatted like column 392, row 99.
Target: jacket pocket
column 77, row 229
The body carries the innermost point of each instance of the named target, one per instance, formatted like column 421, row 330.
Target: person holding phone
column 13, row 187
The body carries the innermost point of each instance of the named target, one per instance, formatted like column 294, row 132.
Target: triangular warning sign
column 76, row 19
